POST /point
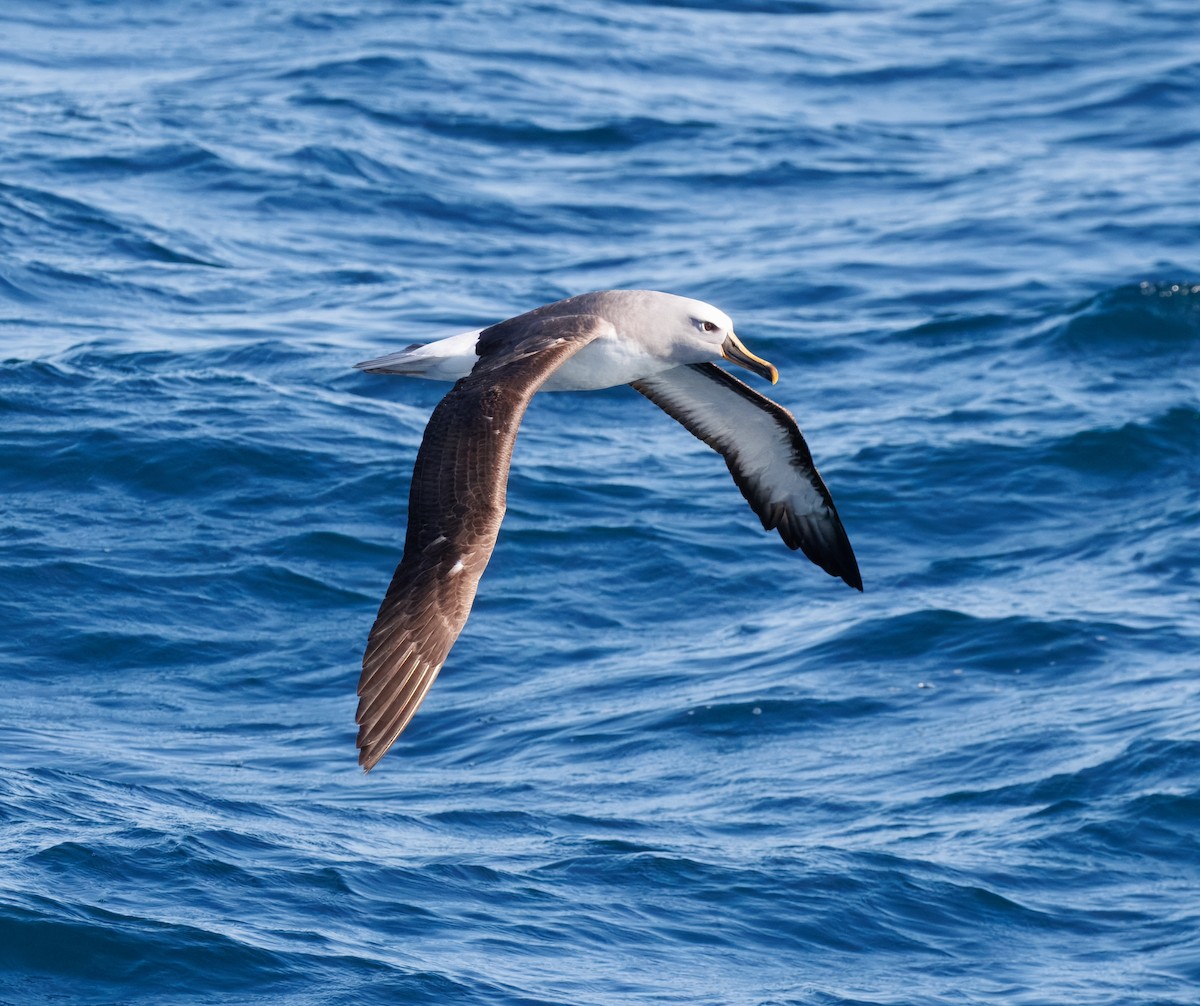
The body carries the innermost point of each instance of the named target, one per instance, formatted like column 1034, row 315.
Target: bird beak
column 735, row 351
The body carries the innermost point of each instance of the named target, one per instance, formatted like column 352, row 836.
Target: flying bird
column 661, row 344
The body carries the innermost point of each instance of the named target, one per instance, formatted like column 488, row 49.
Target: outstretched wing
column 456, row 504
column 766, row 454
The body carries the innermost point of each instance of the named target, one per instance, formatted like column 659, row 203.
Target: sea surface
column 669, row 761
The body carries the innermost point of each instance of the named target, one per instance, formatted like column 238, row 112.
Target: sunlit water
column 668, row 761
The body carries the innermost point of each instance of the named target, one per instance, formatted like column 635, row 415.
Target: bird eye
column 709, row 326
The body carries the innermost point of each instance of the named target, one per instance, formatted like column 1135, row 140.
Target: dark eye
column 709, row 326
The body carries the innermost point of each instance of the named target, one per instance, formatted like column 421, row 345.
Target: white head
column 701, row 326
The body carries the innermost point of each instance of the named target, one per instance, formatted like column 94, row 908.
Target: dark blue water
column 669, row 761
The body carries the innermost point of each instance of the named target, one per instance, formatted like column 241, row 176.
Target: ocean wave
column 668, row 760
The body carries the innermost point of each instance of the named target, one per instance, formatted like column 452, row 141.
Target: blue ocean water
column 668, row 761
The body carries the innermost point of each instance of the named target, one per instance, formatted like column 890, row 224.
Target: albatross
column 661, row 344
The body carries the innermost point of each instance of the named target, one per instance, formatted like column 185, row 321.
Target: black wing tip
column 844, row 566
column 823, row 542
column 842, row 562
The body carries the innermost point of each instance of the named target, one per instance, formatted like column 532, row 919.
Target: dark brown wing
column 455, row 507
column 766, row 454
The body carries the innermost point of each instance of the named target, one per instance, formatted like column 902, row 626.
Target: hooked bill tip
column 735, row 351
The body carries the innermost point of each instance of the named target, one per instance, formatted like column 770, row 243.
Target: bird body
column 661, row 344
column 634, row 348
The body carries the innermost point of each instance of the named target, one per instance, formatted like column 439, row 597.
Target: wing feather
column 766, row 455
column 456, row 504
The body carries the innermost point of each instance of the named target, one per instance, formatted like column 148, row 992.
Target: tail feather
column 445, row 360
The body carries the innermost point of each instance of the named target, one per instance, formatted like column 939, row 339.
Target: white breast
column 606, row 363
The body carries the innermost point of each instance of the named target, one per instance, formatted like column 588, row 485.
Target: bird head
column 715, row 329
